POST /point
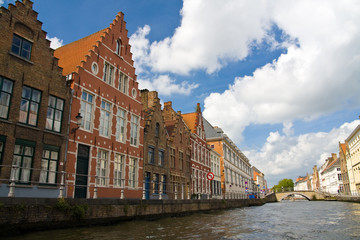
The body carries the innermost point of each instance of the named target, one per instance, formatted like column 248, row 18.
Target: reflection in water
column 284, row 220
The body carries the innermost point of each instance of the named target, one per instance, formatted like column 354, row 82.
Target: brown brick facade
column 179, row 153
column 29, row 66
column 156, row 160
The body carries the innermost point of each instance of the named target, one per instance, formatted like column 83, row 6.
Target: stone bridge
column 309, row 195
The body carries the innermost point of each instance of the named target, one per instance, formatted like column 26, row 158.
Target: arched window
column 157, row 129
column 118, row 47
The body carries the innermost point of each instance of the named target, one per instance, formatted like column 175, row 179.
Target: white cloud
column 140, row 46
column 316, row 76
column 285, row 156
column 1, row 2
column 167, row 86
column 55, row 42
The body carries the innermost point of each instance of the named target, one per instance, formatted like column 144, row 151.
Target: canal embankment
column 19, row 215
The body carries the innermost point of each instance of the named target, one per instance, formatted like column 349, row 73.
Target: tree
column 284, row 183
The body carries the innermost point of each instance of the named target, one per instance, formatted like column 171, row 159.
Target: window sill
column 28, row 126
column 22, row 58
column 52, row 132
column 47, row 186
column 5, row 120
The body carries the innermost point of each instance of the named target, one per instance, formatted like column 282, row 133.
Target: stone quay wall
column 19, row 215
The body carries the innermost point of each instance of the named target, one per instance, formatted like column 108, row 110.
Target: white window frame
column 102, row 167
column 119, row 162
column 134, row 130
column 133, row 172
column 87, row 114
column 124, row 83
column 121, row 128
column 109, row 73
column 105, row 120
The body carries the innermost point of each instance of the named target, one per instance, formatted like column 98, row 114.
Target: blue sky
column 282, row 77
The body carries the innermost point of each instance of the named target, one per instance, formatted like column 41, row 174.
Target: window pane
column 26, row 92
column 52, row 101
column 60, row 104
column 36, row 95
column 7, row 86
column 54, row 155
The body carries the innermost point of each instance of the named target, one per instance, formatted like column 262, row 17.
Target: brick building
column 156, row 164
column 34, row 106
column 200, row 154
column 344, row 170
column 179, row 152
column 105, row 155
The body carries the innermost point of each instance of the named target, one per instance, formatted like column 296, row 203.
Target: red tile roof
column 71, row 55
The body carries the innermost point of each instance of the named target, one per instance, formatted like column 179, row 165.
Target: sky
column 281, row 77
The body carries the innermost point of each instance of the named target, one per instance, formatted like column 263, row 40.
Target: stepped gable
column 30, row 29
column 74, row 54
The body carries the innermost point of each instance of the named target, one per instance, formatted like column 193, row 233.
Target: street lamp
column 78, row 122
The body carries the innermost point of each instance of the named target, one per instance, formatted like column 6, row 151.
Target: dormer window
column 118, row 47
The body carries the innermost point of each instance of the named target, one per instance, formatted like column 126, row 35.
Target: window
column 118, row 47
column 2, row 147
column 172, row 157
column 134, row 130
column 105, row 113
column 86, row 110
column 49, row 163
column 156, row 183
column 157, row 129
column 123, row 83
column 21, row 47
column 94, row 68
column 54, row 114
column 339, row 176
column 132, row 172
column 151, row 155
column 161, row 158
column 108, row 73
column 164, row 184
column 118, row 169
column 120, row 125
column 22, row 158
column 29, row 106
column 181, row 160
column 6, row 87
column 102, row 167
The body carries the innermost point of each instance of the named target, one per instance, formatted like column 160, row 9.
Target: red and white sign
column 210, row 176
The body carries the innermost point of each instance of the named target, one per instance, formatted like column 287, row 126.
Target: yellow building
column 353, row 160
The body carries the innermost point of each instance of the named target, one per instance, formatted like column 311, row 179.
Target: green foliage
column 62, row 205
column 314, row 197
column 284, row 183
column 78, row 211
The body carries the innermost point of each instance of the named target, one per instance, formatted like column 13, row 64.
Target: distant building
column 315, row 179
column 353, row 160
column 105, row 155
column 200, row 154
column 301, row 184
column 344, row 170
column 215, row 169
column 156, row 160
column 179, row 149
column 34, row 106
column 331, row 176
column 236, row 179
column 259, row 182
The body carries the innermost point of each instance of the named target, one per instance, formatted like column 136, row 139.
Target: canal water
column 283, row 220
